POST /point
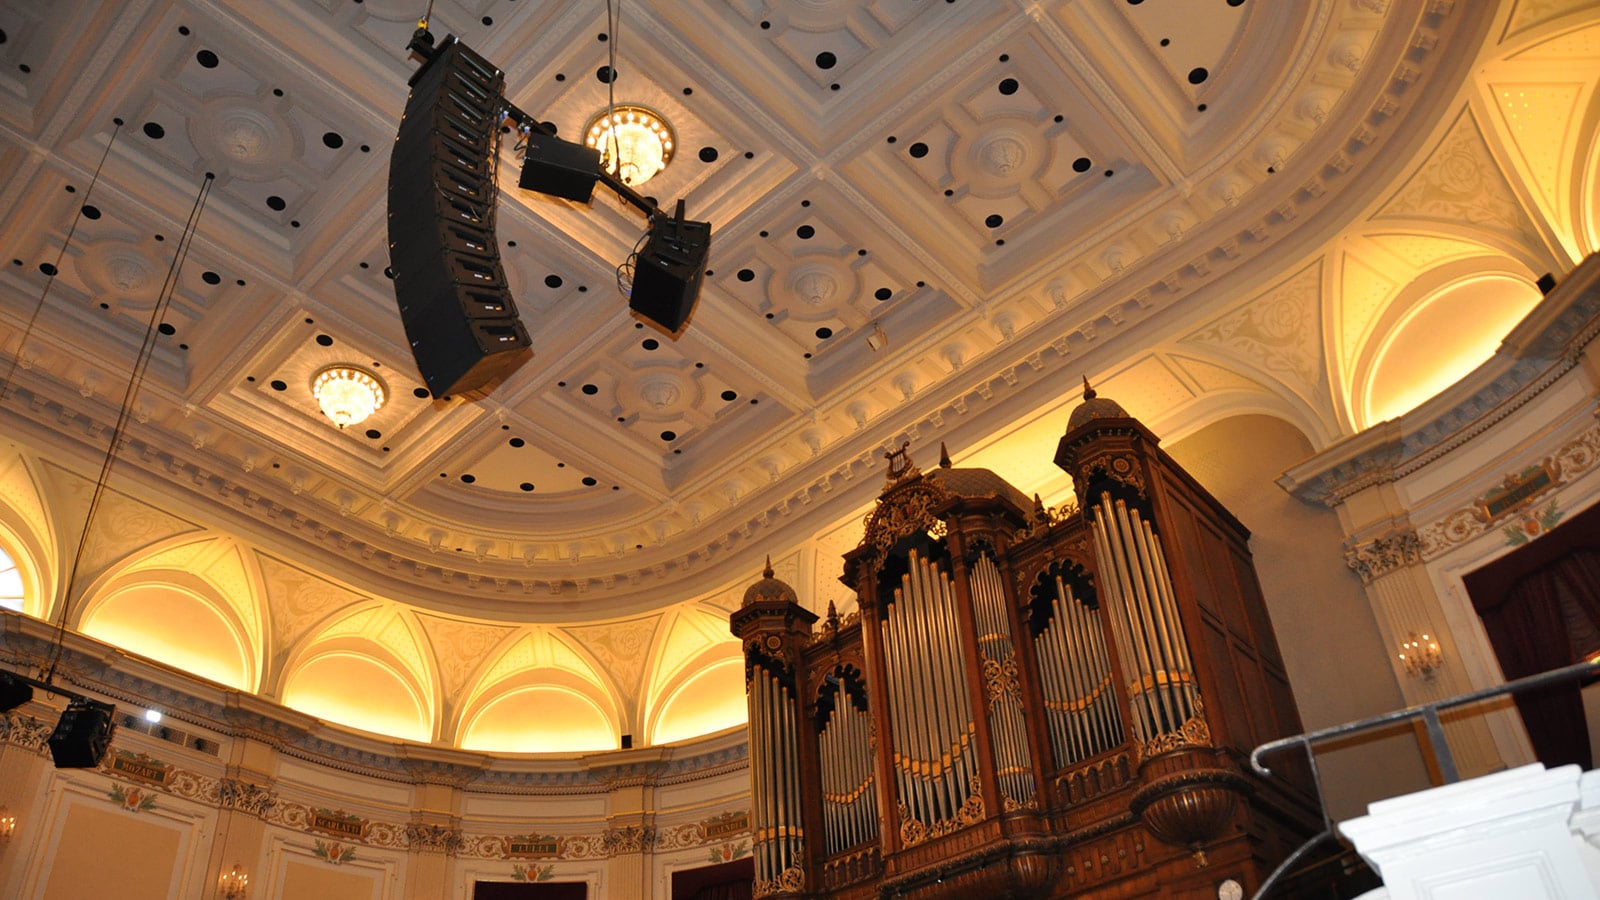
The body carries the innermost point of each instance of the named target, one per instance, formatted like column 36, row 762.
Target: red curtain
column 1528, row 601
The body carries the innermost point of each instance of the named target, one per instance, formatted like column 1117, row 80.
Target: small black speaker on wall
column 669, row 270
column 13, row 692
column 454, row 302
column 83, row 734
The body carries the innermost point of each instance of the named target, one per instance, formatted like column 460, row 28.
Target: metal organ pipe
column 849, row 802
column 930, row 713
column 1145, row 619
column 1013, row 761
column 775, row 799
column 1141, row 611
column 1075, row 678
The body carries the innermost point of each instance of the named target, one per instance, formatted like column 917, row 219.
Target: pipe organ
column 1027, row 702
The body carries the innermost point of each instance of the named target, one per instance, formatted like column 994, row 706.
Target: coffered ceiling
column 1212, row 206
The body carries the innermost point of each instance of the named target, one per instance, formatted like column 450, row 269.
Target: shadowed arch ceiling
column 1211, row 207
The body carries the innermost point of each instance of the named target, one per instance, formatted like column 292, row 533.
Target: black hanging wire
column 613, row 23
column 613, row 27
column 140, row 366
column 50, row 277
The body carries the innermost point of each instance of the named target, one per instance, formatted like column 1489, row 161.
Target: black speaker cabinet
column 560, row 168
column 451, row 290
column 83, row 734
column 668, row 272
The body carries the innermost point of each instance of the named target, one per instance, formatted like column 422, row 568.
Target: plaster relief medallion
column 995, row 160
column 119, row 271
column 257, row 143
column 821, row 288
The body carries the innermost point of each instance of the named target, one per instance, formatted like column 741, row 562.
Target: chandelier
column 347, row 395
column 634, row 142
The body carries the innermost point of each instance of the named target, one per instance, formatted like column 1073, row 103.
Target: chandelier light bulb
column 348, row 395
column 635, row 143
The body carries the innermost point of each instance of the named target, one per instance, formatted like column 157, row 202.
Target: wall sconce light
column 1421, row 655
column 8, row 824
column 233, row 883
column 878, row 338
column 347, row 395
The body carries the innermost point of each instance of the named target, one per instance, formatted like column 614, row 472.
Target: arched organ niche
column 1029, row 702
column 844, row 749
column 1069, row 642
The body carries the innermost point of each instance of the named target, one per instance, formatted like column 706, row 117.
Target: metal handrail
column 1429, row 714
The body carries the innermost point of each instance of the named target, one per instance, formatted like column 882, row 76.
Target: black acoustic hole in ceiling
column 206, row 58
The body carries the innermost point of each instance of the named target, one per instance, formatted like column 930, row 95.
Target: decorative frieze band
column 1516, row 504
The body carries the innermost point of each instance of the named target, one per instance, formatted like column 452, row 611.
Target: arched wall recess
column 1540, row 100
column 21, row 588
column 358, row 684
column 544, row 712
column 176, row 619
column 709, row 699
column 403, row 682
column 1441, row 326
column 539, row 658
column 222, row 565
column 689, row 640
column 1588, row 201
column 26, row 535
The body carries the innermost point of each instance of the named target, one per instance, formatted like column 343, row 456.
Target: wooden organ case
column 1029, row 703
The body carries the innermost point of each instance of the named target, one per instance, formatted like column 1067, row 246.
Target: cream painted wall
column 1326, row 632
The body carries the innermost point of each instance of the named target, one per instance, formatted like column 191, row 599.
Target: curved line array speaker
column 458, row 313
